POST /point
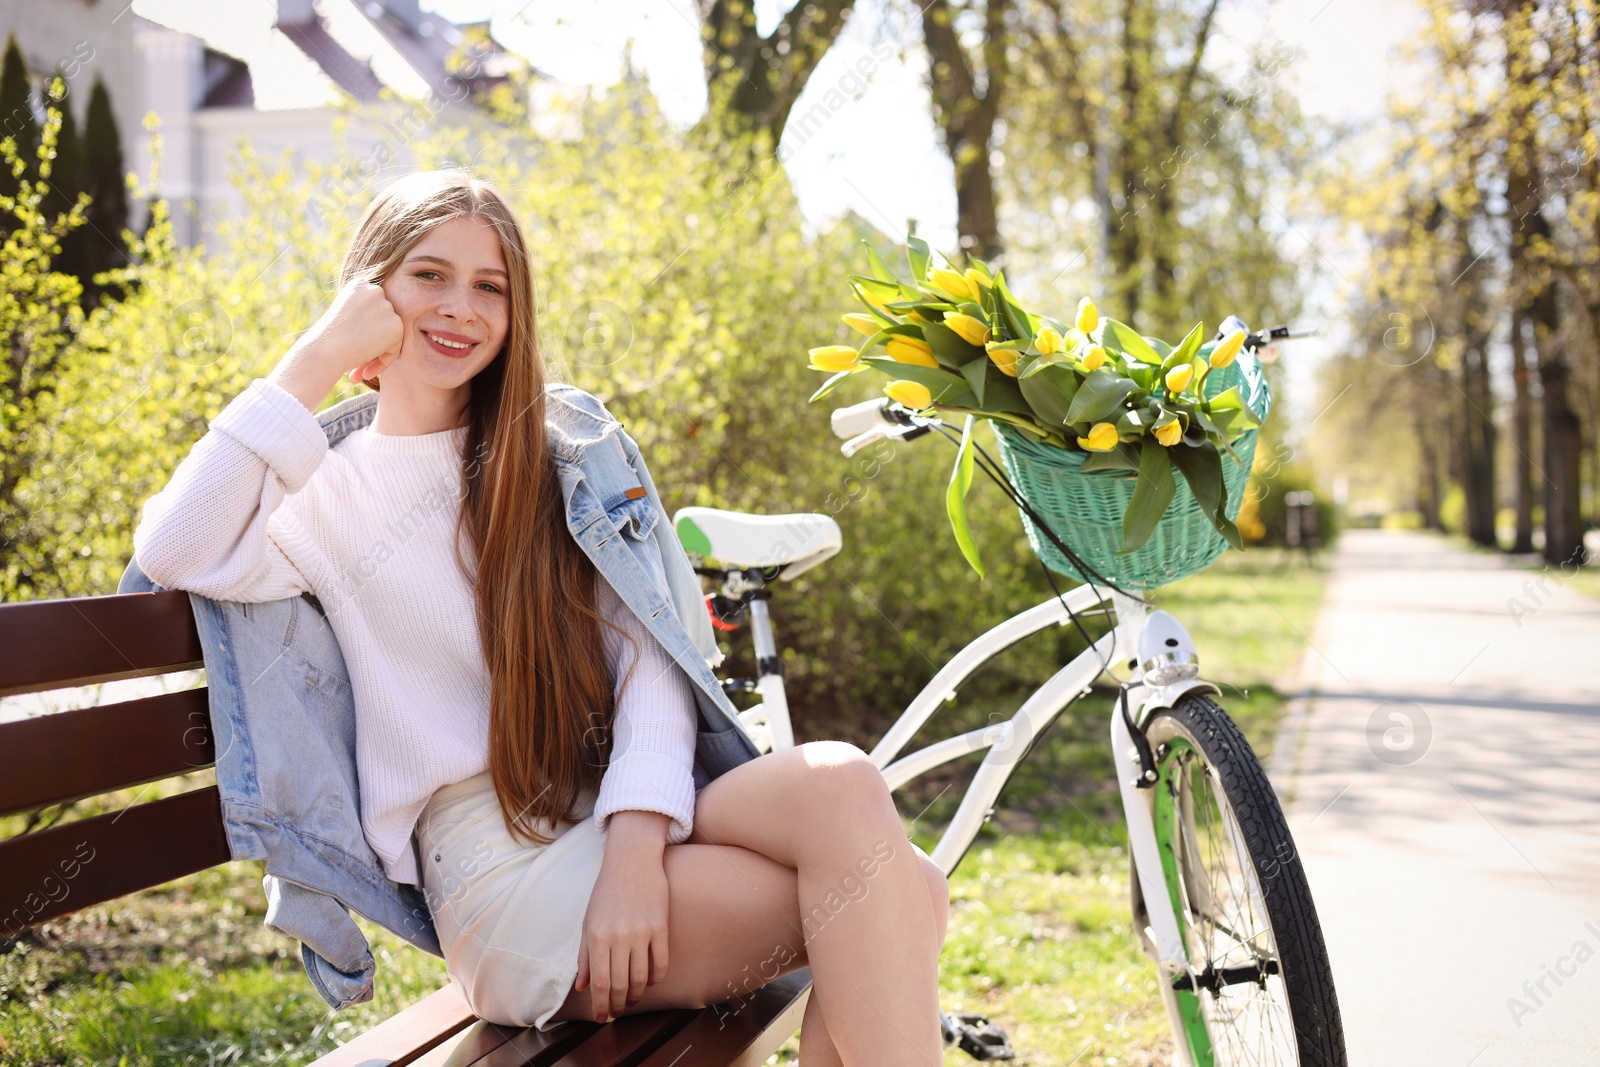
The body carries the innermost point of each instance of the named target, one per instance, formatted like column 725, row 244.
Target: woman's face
column 451, row 292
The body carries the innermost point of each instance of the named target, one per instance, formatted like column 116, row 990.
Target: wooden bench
column 67, row 756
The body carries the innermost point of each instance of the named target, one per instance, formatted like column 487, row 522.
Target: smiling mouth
column 448, row 346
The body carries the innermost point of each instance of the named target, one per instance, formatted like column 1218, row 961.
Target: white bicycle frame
column 769, row 725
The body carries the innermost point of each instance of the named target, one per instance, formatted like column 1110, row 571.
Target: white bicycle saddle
column 739, row 539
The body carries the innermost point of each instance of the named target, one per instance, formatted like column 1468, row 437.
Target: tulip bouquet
column 1108, row 399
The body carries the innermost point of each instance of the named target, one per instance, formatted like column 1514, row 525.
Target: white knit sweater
column 262, row 509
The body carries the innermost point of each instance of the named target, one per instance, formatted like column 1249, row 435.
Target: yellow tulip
column 953, row 284
column 975, row 278
column 1228, row 350
column 875, row 302
column 1095, row 357
column 910, row 350
column 1170, row 434
column 1048, row 342
column 1088, row 315
column 861, row 323
column 1179, row 377
column 1102, row 438
column 835, row 358
column 971, row 330
column 1005, row 359
column 913, row 395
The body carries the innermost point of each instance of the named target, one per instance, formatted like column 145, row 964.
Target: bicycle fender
column 1168, row 695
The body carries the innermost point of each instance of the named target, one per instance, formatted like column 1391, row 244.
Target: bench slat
column 53, row 759
column 54, row 643
column 467, row 1047
column 626, row 1039
column 745, row 1037
column 530, row 1046
column 406, row 1037
column 54, row 872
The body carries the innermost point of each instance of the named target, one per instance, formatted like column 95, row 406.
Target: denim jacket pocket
column 636, row 518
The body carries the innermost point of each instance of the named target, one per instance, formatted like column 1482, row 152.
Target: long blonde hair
column 551, row 704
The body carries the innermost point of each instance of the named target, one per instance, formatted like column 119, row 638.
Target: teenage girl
column 572, row 872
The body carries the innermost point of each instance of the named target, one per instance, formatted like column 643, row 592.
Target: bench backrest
column 62, row 757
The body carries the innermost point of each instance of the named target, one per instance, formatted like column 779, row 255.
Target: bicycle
column 1219, row 896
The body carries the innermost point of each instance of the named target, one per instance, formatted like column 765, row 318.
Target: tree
column 966, row 85
column 105, row 180
column 754, row 80
column 39, row 320
column 1533, row 255
column 1182, row 165
column 66, row 183
column 16, row 114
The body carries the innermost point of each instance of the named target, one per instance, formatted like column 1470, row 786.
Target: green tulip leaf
column 1017, row 320
column 827, row 386
column 1100, row 394
column 976, row 374
column 1002, row 393
column 1228, row 400
column 948, row 347
column 1132, row 424
column 1121, row 458
column 955, row 498
column 1121, row 338
column 1151, row 495
column 880, row 269
column 918, row 257
column 1202, row 469
column 1160, row 347
column 883, row 290
column 1184, row 353
column 1049, row 389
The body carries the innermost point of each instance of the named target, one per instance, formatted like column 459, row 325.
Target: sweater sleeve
column 207, row 530
column 652, row 745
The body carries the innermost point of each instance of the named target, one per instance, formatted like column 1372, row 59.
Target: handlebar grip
column 857, row 419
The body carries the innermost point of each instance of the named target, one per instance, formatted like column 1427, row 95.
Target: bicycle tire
column 1216, row 801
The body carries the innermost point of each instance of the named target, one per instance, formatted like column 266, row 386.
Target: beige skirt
column 509, row 913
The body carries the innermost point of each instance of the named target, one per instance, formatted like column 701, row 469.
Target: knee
column 844, row 778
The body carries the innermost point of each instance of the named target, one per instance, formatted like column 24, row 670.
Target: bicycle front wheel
column 1261, row 990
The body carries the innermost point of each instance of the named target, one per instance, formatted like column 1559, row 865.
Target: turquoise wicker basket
column 1085, row 510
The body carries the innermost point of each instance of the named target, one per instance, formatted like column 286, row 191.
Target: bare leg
column 799, row 857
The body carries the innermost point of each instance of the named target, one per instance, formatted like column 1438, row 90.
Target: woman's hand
column 359, row 335
column 624, row 947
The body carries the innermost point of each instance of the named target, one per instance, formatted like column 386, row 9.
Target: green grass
column 1040, row 938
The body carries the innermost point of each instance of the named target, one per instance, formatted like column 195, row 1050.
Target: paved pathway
column 1446, row 802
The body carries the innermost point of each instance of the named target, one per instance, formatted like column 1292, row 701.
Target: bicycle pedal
column 976, row 1036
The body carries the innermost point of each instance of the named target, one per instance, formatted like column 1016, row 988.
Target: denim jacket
column 283, row 714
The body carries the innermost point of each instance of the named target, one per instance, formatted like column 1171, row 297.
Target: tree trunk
column 1428, row 471
column 1521, row 437
column 967, row 116
column 1563, row 436
column 1477, row 408
column 756, row 80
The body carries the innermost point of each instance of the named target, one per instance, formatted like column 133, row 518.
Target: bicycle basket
column 1085, row 510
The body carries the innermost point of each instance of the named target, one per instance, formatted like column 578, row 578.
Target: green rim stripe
column 1167, row 832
